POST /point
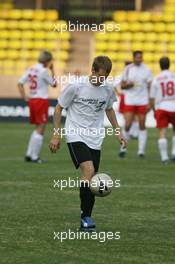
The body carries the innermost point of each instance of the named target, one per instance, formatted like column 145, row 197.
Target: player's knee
column 88, row 172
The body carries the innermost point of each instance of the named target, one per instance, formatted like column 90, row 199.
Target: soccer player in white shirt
column 162, row 96
column 136, row 80
column 86, row 102
column 39, row 80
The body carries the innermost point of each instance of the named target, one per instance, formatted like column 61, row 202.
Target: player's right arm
column 21, row 83
column 64, row 101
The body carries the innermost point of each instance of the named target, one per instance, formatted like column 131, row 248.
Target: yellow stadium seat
column 13, row 24
column 51, row 45
column 122, row 56
column 163, row 37
column 119, row 66
column 148, row 56
column 4, row 14
column 110, row 26
column 172, row 56
column 51, row 15
column 124, row 26
column 136, row 46
column 63, row 55
column 123, row 46
column 34, row 54
column 24, row 25
column 39, row 15
column 39, row 45
column 162, row 47
column 3, row 44
column 125, row 36
column 27, row 44
column 169, row 2
column 156, row 16
column 139, row 36
column 112, row 55
column 14, row 34
column 120, row 16
column 147, row 27
column 27, row 14
column 160, row 27
column 2, row 54
column 112, row 36
column 15, row 14
column 100, row 46
column 52, row 35
column 112, row 46
column 157, row 56
column 172, row 37
column 169, row 8
column 9, row 64
column 12, row 54
column 25, row 54
column 3, row 24
column 36, row 25
column 4, row 34
column 65, row 45
column 149, row 46
column 144, row 16
column 27, row 34
column 135, row 26
column 171, row 47
column 132, row 16
column 168, row 17
column 170, row 27
column 63, row 35
column 14, row 44
column 151, row 36
column 48, row 25
column 39, row 34
column 102, row 37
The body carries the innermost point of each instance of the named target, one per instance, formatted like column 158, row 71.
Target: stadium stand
column 152, row 32
column 25, row 32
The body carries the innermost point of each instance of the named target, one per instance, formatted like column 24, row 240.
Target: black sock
column 92, row 202
column 87, row 200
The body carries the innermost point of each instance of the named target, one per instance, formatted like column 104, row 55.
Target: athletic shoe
column 27, row 159
column 173, row 158
column 87, row 224
column 164, row 162
column 38, row 161
column 141, row 155
column 122, row 152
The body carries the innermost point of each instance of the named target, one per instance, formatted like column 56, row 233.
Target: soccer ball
column 101, row 184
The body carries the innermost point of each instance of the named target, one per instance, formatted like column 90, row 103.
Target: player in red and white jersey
column 136, row 80
column 39, row 79
column 162, row 96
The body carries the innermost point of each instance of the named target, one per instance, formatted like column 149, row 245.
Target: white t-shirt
column 141, row 76
column 163, row 91
column 39, row 79
column 85, row 105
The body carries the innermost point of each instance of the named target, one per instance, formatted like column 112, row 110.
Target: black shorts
column 80, row 152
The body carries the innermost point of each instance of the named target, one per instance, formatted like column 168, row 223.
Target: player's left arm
column 113, row 120
column 149, row 82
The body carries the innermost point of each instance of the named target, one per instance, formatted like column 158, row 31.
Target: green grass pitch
column 31, row 209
